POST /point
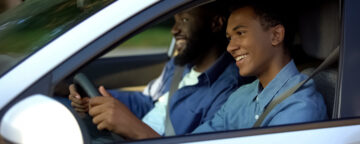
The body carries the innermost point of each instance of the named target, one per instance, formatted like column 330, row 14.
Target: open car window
column 132, row 64
column 129, row 66
column 153, row 40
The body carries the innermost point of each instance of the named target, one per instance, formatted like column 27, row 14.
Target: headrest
column 320, row 29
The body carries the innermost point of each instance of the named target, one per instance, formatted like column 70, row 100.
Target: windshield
column 34, row 23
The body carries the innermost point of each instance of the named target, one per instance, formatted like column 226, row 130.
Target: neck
column 207, row 62
column 273, row 69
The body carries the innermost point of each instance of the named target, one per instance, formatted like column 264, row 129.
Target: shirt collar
column 272, row 89
column 215, row 70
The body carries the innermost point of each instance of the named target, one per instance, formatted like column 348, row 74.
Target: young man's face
column 250, row 44
column 190, row 32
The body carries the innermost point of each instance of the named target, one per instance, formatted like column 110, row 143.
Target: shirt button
column 256, row 117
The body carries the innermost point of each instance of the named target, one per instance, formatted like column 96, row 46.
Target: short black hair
column 207, row 38
column 218, row 8
column 271, row 13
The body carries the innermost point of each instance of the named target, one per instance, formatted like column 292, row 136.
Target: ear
column 278, row 34
column 217, row 23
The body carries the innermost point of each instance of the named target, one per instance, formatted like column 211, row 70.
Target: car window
column 130, row 66
column 133, row 63
column 35, row 23
column 155, row 39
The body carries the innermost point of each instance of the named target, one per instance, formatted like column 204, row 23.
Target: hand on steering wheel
column 84, row 85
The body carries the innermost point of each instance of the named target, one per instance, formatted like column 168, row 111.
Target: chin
column 244, row 73
column 180, row 45
column 180, row 50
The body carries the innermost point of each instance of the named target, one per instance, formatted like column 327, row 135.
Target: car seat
column 319, row 30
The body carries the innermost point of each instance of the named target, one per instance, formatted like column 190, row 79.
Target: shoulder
column 307, row 104
column 223, row 78
column 305, row 92
column 243, row 91
column 308, row 90
column 230, row 72
column 306, row 99
column 231, row 76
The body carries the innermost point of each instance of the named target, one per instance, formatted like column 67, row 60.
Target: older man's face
column 191, row 31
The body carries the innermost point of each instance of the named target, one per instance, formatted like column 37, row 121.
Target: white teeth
column 240, row 57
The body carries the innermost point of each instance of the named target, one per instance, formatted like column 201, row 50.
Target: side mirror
column 40, row 119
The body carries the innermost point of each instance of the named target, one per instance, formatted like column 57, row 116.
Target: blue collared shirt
column 247, row 103
column 190, row 106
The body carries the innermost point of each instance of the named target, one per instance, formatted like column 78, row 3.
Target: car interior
column 324, row 18
column 318, row 34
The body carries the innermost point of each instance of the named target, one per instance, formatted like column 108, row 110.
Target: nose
column 232, row 47
column 175, row 29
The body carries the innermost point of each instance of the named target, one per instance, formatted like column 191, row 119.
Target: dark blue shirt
column 246, row 104
column 190, row 106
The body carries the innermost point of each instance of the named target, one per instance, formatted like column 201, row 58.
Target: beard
column 196, row 48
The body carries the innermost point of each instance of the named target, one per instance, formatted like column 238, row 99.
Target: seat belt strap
column 327, row 62
column 178, row 72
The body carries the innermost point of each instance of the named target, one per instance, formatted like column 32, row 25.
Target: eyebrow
column 238, row 26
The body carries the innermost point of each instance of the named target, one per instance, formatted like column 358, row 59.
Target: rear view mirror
column 40, row 119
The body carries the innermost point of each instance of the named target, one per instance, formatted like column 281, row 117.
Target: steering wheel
column 85, row 86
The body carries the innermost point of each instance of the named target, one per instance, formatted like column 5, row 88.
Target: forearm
column 141, row 130
column 138, row 103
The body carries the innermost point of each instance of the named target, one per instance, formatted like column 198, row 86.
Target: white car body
column 19, row 109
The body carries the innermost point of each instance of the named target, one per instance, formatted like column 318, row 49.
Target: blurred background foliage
column 34, row 23
column 158, row 36
column 29, row 25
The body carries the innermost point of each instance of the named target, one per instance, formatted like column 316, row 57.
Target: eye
column 184, row 20
column 239, row 33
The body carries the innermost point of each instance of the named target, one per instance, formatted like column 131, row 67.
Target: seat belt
column 169, row 128
column 328, row 61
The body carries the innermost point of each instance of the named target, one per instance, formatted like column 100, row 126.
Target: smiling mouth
column 179, row 37
column 180, row 42
column 180, row 45
column 241, row 57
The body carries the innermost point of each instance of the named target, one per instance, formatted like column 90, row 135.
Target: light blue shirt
column 190, row 106
column 156, row 117
column 247, row 103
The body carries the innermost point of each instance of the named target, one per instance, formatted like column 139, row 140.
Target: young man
column 259, row 42
column 207, row 81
